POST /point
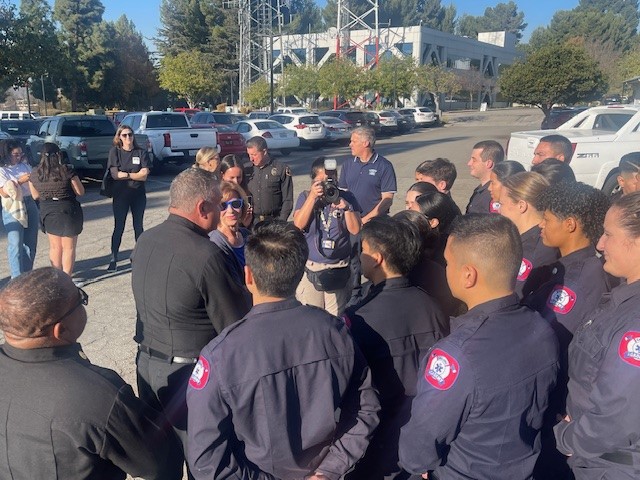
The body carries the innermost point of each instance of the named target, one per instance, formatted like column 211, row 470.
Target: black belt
column 262, row 218
column 161, row 356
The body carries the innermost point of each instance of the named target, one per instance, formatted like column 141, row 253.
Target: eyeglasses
column 83, row 299
column 126, row 134
column 236, row 204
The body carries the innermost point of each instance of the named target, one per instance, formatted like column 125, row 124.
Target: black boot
column 113, row 264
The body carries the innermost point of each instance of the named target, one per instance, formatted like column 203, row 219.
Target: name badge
column 328, row 244
column 135, row 160
column 372, row 171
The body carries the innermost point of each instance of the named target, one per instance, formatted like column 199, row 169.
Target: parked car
column 355, row 118
column 308, row 127
column 84, row 141
column 229, row 140
column 21, row 130
column 558, row 116
column 408, row 117
column 600, row 136
column 16, row 115
column 423, row 116
column 119, row 116
column 374, row 121
column 258, row 115
column 277, row 136
column 337, row 130
column 171, row 136
column 203, row 118
column 294, row 110
column 391, row 121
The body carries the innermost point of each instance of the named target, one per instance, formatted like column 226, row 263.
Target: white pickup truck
column 171, row 136
column 600, row 137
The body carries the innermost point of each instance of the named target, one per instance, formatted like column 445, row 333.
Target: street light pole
column 28, row 96
column 44, row 98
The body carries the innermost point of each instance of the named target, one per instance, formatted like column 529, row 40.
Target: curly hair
column 586, row 204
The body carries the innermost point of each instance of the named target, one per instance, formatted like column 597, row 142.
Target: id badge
column 135, row 160
column 328, row 244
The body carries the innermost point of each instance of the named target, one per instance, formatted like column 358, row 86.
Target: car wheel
column 611, row 186
column 285, row 152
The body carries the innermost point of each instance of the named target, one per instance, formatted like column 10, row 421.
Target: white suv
column 424, row 116
column 308, row 127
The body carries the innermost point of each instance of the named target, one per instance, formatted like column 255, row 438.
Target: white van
column 16, row 115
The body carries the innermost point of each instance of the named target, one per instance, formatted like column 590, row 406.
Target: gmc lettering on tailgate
column 588, row 155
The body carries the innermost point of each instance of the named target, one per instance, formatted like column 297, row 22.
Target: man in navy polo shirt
column 368, row 175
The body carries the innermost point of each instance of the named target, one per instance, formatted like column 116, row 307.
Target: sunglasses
column 126, row 134
column 236, row 204
column 83, row 299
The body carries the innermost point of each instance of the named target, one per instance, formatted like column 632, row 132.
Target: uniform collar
column 391, row 283
column 269, row 162
column 578, row 256
column 532, row 234
column 270, row 307
column 624, row 292
column 48, row 354
column 373, row 159
column 485, row 309
column 185, row 222
column 481, row 188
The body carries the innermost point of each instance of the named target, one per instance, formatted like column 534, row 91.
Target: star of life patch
column 442, row 370
column 629, row 348
column 561, row 299
column 494, row 207
column 200, row 374
column 525, row 269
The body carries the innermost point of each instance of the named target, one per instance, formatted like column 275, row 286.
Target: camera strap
column 326, row 222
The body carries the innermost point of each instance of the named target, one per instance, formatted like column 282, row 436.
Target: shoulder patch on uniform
column 525, row 269
column 561, row 299
column 442, row 370
column 347, row 321
column 494, row 207
column 629, row 349
column 200, row 374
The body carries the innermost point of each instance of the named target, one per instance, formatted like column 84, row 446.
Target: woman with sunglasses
column 129, row 167
column 231, row 170
column 20, row 220
column 57, row 185
column 230, row 235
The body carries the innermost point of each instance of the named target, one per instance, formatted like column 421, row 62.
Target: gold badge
column 274, row 171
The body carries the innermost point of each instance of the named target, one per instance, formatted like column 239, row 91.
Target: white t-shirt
column 13, row 172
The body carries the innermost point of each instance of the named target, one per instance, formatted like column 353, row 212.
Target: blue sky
column 146, row 13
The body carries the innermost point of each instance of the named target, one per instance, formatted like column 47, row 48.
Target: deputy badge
column 200, row 374
column 494, row 207
column 525, row 270
column 629, row 349
column 442, row 370
column 274, row 171
column 561, row 299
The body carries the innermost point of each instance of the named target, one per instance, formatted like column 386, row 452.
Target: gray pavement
column 107, row 339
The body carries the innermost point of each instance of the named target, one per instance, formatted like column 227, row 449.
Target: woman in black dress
column 57, row 185
column 129, row 167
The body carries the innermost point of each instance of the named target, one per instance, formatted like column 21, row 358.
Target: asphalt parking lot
column 107, row 339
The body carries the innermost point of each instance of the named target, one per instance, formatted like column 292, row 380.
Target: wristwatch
column 350, row 208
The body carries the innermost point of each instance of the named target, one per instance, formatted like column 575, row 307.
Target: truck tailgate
column 192, row 139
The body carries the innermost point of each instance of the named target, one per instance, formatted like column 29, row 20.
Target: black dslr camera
column 330, row 191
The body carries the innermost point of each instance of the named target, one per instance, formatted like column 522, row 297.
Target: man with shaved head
column 62, row 417
column 483, row 390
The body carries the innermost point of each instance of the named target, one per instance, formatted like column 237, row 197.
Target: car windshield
column 223, row 128
column 24, row 127
column 331, row 120
column 354, row 116
column 310, row 120
column 87, row 128
column 270, row 125
column 425, row 110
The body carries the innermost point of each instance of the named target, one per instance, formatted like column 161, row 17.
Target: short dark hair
column 441, row 206
column 230, row 161
column 24, row 314
column 440, row 169
column 555, row 171
column 630, row 163
column 316, row 166
column 395, row 241
column 629, row 206
column 418, row 223
column 507, row 168
column 586, row 204
column 257, row 142
column 559, row 144
column 276, row 252
column 422, row 188
column 491, row 150
column 493, row 242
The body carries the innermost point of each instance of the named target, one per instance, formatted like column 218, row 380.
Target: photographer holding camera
column 327, row 216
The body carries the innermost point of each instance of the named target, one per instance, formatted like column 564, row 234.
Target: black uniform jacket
column 482, row 393
column 63, row 418
column 480, row 201
column 603, row 435
column 280, row 394
column 272, row 189
column 395, row 325
column 535, row 257
column 184, row 288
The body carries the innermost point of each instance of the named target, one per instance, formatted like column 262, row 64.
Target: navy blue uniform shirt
column 604, row 388
column 480, row 201
column 280, row 394
column 368, row 180
column 535, row 257
column 482, row 393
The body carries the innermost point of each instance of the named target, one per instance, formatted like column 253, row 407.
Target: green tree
column 302, row 16
column 300, row 81
column 437, row 80
column 562, row 73
column 627, row 9
column 504, row 16
column 9, row 59
column 395, row 78
column 258, row 95
column 77, row 19
column 341, row 78
column 188, row 74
